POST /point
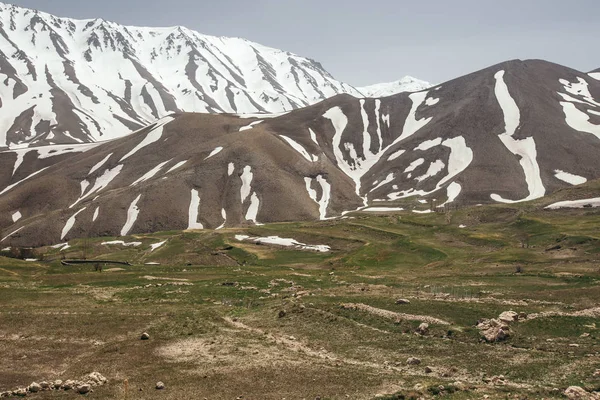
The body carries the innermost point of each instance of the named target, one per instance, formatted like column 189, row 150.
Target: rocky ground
column 402, row 306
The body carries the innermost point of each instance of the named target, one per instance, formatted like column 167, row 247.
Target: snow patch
column 193, row 211
column 276, row 240
column 16, row 216
column 300, row 149
column 132, row 213
column 69, row 224
column 584, row 203
column 122, row 243
column 525, row 149
column 569, row 178
column 214, row 152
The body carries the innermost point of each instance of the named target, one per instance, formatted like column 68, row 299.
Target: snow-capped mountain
column 406, row 84
column 512, row 132
column 67, row 81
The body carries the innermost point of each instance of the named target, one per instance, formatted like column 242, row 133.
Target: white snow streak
column 214, row 152
column 101, row 182
column 9, row 187
column 16, row 216
column 248, row 127
column 246, row 178
column 396, row 154
column 300, row 149
column 153, row 136
column 584, row 203
column 132, row 214
column 276, row 240
column 252, row 212
column 155, row 246
column 69, row 224
column 193, row 211
column 122, row 243
column 150, row 174
column 323, row 202
column 525, row 148
column 99, row 164
column 176, row 166
column 96, row 213
column 569, row 178
column 428, row 144
column 230, row 168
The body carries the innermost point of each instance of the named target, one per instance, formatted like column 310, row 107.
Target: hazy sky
column 364, row 42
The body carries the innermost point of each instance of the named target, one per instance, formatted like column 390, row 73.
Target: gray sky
column 365, row 42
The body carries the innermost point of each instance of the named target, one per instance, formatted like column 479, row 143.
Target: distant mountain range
column 512, row 132
column 79, row 81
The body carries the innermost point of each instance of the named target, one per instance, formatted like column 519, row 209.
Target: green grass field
column 231, row 318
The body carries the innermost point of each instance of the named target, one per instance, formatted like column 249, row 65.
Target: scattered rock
column 413, row 361
column 423, row 329
column 281, row 314
column 584, row 335
column 596, row 373
column 34, row 387
column 160, row 386
column 21, row 392
column 57, row 384
column 509, row 316
column 85, row 388
column 428, row 370
column 460, row 386
column 45, row 385
column 96, row 379
column 493, row 330
column 402, row 301
column 68, row 384
column 145, row 336
column 579, row 393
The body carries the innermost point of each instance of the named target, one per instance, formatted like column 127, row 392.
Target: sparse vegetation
column 226, row 318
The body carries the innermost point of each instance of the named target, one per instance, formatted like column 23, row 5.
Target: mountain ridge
column 512, row 132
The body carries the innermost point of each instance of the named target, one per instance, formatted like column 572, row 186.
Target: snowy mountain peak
column 66, row 81
column 406, row 84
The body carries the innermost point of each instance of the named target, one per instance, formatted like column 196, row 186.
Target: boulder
column 84, row 388
column 145, row 336
column 509, row 316
column 423, row 329
column 96, row 379
column 579, row 393
column 34, row 387
column 413, row 361
column 68, row 384
column 402, row 301
column 160, row 386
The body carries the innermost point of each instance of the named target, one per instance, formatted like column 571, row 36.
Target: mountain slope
column 68, row 81
column 513, row 132
column 406, row 84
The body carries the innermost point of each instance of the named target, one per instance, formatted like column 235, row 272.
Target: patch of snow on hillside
column 9, row 187
column 434, row 168
column 383, row 209
column 230, row 168
column 214, row 152
column 246, row 178
column 569, row 178
column 69, row 224
column 414, row 165
column 250, row 126
column 224, row 216
column 132, row 213
column 300, row 149
column 150, row 174
column 121, row 243
column 176, row 166
column 155, row 246
column 387, row 180
column 151, row 137
column 584, row 203
column 406, row 84
column 525, row 149
column 286, row 242
column 10, row 234
column 252, row 212
column 313, row 136
column 16, row 216
column 99, row 165
column 101, row 182
column 396, row 154
column 96, row 213
column 193, row 211
column 428, row 144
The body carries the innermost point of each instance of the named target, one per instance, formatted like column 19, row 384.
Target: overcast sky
column 365, row 42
